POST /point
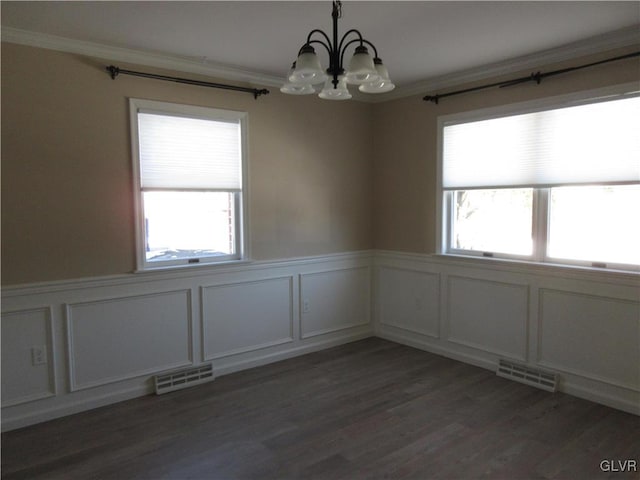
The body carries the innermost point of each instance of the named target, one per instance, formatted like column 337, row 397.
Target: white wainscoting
column 592, row 336
column 241, row 317
column 334, row 300
column 104, row 338
column 22, row 331
column 488, row 315
column 111, row 340
column 415, row 308
column 583, row 325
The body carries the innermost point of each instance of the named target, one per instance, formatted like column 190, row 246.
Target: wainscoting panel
column 334, row 300
column 107, row 336
column 409, row 300
column 24, row 380
column 593, row 336
column 116, row 339
column 488, row 315
column 242, row 317
column 582, row 324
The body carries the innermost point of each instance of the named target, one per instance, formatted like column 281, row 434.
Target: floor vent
column 179, row 379
column 530, row 376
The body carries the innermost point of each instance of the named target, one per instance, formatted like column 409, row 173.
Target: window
column 559, row 184
column 189, row 175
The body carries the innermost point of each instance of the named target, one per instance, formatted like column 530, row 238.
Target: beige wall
column 405, row 151
column 67, row 208
column 325, row 177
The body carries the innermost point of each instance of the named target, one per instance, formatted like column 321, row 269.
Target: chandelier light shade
column 308, row 69
column 361, row 68
column 382, row 84
column 369, row 73
column 296, row 88
column 341, row 92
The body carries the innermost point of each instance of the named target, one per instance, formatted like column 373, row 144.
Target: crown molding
column 137, row 57
column 609, row 41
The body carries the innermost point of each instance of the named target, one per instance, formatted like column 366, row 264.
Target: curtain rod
column 115, row 71
column 534, row 77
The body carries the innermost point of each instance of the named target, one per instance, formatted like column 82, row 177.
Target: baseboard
column 225, row 366
column 70, row 408
column 571, row 384
column 232, row 366
column 437, row 349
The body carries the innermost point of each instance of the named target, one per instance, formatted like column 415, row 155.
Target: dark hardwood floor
column 367, row 410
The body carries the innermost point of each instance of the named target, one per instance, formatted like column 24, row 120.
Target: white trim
column 314, row 333
column 580, row 97
column 222, row 368
column 241, row 199
column 621, row 286
column 617, row 277
column 609, row 41
column 57, row 411
column 601, row 43
column 559, row 368
column 525, row 327
column 74, row 386
column 51, row 357
column 539, row 222
column 571, row 385
column 439, row 277
column 176, row 273
column 251, row 348
column 294, row 351
column 138, row 57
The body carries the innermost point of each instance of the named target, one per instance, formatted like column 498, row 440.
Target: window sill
column 194, row 266
column 553, row 269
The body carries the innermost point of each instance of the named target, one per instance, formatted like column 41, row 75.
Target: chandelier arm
column 344, row 37
column 375, row 50
column 317, row 30
column 327, row 47
column 345, row 49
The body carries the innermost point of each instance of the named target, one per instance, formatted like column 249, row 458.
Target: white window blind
column 189, row 153
column 594, row 143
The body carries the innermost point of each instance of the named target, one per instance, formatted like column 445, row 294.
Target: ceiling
column 417, row 40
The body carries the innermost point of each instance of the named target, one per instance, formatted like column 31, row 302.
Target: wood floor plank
column 371, row 409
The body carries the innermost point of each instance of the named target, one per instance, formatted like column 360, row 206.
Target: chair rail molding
column 249, row 314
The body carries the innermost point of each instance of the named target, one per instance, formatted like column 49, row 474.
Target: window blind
column 189, row 153
column 593, row 143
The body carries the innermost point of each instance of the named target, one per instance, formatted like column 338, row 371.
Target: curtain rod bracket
column 537, row 77
column 114, row 71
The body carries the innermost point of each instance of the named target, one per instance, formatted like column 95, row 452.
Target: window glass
column 188, row 224
column 497, row 220
column 595, row 223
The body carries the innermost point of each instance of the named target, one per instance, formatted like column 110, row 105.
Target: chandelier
column 306, row 72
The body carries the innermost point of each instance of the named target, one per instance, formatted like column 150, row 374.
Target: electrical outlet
column 39, row 355
column 305, row 306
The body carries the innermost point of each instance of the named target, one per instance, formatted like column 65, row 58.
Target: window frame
column 541, row 195
column 240, row 198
